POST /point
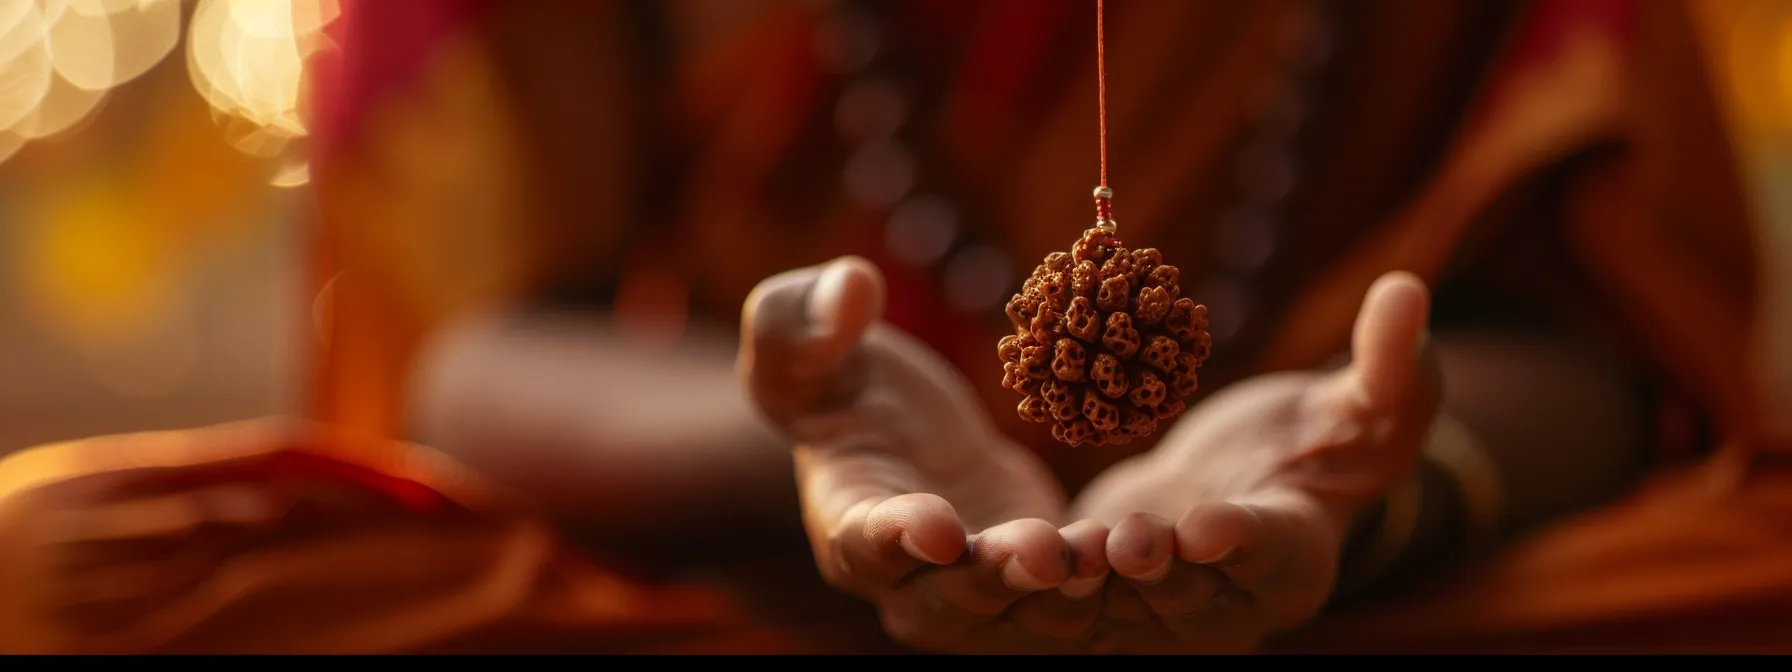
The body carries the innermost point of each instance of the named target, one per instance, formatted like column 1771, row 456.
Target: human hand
column 1231, row 530
column 911, row 497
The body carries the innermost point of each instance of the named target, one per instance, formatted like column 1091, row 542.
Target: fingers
column 1004, row 564
column 879, row 542
column 1088, row 541
column 847, row 297
column 1388, row 340
column 1185, row 581
column 1245, row 543
column 798, row 328
column 1025, row 555
column 1274, row 550
column 1070, row 611
column 924, row 526
column 1143, row 548
column 1388, row 395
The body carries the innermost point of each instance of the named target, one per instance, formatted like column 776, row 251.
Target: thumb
column 1390, row 341
column 798, row 329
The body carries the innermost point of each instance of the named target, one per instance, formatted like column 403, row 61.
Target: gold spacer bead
column 1104, row 193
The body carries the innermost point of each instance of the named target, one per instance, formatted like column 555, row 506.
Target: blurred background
column 152, row 181
column 162, row 262
column 153, row 187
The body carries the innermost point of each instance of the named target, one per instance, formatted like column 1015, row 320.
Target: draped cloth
column 421, row 555
column 1695, row 560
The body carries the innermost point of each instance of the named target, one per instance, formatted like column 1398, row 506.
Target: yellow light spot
column 91, row 270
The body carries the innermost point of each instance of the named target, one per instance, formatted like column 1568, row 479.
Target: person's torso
column 956, row 145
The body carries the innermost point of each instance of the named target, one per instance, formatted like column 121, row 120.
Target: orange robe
column 146, row 543
column 1699, row 559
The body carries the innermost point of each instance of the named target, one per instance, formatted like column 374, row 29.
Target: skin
column 1227, row 533
column 1230, row 531
column 889, row 440
column 910, row 500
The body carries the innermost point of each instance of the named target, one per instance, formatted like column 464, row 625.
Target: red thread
column 1101, row 86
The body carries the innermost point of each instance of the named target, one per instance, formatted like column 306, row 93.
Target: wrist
column 1447, row 507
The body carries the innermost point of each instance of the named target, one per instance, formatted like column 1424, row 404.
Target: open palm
column 911, row 496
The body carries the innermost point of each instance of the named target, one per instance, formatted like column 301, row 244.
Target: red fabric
column 385, row 44
column 416, row 497
column 296, row 466
column 1549, row 26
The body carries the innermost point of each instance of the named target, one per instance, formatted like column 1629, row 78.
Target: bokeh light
column 60, row 58
column 25, row 68
column 246, row 58
column 104, row 258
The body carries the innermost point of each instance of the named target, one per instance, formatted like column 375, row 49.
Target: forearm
column 603, row 433
column 1556, row 427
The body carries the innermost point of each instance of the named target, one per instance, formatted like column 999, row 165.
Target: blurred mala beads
column 1105, row 347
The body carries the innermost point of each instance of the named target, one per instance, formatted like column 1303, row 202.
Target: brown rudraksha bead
column 1105, row 347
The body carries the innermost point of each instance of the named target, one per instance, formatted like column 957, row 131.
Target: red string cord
column 1101, row 86
column 1104, row 204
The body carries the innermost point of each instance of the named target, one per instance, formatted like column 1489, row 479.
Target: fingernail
column 1077, row 589
column 914, row 550
column 1156, row 575
column 1018, row 578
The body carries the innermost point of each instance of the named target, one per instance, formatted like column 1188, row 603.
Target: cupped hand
column 1231, row 529
column 911, row 497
